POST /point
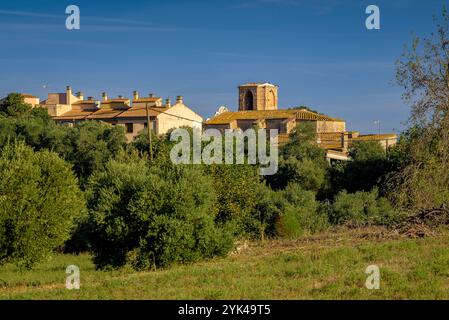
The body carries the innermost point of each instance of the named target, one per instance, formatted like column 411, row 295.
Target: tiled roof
column 27, row 95
column 74, row 115
column 368, row 137
column 116, row 100
column 154, row 99
column 104, row 114
column 85, row 102
column 141, row 112
column 135, row 112
column 227, row 117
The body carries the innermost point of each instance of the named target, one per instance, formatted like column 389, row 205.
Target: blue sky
column 318, row 52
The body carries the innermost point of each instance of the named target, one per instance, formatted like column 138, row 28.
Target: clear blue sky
column 318, row 52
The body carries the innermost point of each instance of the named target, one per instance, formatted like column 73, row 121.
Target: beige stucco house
column 131, row 114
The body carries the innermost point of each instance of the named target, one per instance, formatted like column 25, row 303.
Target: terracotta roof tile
column 141, row 112
column 375, row 137
column 74, row 115
column 154, row 99
column 227, row 117
column 104, row 114
column 116, row 100
column 27, row 95
column 86, row 102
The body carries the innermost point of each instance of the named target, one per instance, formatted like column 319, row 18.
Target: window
column 129, row 127
column 249, row 100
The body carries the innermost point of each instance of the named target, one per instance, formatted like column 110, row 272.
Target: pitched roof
column 139, row 112
column 27, row 95
column 74, row 115
column 104, row 114
column 227, row 117
column 85, row 102
column 148, row 99
column 368, row 137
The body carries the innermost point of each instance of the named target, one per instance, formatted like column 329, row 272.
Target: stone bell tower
column 258, row 96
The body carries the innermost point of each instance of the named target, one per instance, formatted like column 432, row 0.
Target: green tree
column 39, row 203
column 90, row 144
column 368, row 168
column 300, row 214
column 237, row 187
column 301, row 161
column 423, row 72
column 152, row 216
column 14, row 105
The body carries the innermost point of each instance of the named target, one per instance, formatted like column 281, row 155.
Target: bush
column 152, row 216
column 362, row 208
column 301, row 214
column 368, row 168
column 14, row 105
column 301, row 161
column 237, row 188
column 39, row 203
column 90, row 144
column 305, row 172
column 35, row 128
column 268, row 208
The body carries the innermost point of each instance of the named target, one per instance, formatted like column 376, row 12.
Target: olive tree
column 39, row 203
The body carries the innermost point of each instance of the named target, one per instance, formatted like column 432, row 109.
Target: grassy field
column 327, row 266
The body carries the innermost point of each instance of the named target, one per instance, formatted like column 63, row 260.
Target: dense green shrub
column 362, row 208
column 301, row 161
column 153, row 216
column 87, row 145
column 300, row 214
column 368, row 168
column 35, row 128
column 268, row 208
column 305, row 172
column 90, row 144
column 14, row 105
column 236, row 188
column 39, row 201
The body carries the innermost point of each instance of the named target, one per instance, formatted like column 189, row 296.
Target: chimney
column 179, row 99
column 80, row 95
column 167, row 103
column 105, row 96
column 90, row 98
column 120, row 96
column 135, row 95
column 68, row 93
column 150, row 95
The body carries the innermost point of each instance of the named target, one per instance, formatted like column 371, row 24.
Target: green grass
column 329, row 266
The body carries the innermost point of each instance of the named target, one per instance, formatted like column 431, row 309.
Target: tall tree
column 423, row 72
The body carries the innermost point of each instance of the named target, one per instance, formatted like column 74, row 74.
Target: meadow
column 330, row 265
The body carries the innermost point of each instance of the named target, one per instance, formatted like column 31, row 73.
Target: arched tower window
column 249, row 100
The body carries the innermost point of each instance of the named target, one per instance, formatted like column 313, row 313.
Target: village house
column 258, row 106
column 27, row 98
column 131, row 114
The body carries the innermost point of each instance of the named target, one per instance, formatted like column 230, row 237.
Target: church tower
column 258, row 96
